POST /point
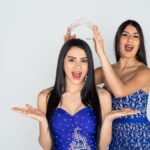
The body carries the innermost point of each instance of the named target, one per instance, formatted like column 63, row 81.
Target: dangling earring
column 85, row 79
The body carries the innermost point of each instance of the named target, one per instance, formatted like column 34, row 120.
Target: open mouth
column 128, row 48
column 76, row 75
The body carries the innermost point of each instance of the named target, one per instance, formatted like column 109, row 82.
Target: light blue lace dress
column 131, row 132
column 77, row 132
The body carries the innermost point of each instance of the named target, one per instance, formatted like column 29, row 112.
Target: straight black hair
column 141, row 54
column 89, row 94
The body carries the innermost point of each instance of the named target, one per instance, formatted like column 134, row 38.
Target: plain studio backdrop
column 31, row 36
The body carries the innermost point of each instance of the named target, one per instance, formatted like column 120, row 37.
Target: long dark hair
column 141, row 54
column 88, row 93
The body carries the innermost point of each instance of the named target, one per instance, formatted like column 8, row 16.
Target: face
column 75, row 66
column 129, row 42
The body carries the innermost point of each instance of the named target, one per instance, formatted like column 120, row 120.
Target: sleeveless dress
column 131, row 132
column 74, row 132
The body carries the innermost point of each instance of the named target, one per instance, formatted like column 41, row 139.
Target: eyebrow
column 76, row 58
column 133, row 33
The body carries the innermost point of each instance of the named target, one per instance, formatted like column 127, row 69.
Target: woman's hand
column 68, row 35
column 106, row 130
column 30, row 111
column 120, row 113
column 98, row 41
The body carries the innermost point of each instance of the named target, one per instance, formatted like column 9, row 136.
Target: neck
column 73, row 88
column 127, row 62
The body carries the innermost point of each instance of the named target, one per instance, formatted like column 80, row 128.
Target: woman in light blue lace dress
column 72, row 112
column 129, row 82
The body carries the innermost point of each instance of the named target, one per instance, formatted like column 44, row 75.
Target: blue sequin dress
column 131, row 132
column 74, row 132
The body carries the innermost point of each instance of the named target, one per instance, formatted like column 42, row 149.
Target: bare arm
column 106, row 108
column 44, row 136
column 119, row 88
column 39, row 114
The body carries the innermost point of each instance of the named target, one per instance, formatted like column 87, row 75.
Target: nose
column 130, row 38
column 78, row 64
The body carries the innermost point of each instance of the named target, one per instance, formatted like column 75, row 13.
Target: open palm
column 120, row 113
column 30, row 111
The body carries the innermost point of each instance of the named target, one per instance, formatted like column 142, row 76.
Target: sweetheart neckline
column 72, row 115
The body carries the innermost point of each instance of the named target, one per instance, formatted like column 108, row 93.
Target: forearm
column 44, row 137
column 106, row 134
column 114, row 83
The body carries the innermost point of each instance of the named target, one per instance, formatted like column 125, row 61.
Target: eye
column 136, row 36
column 124, row 34
column 84, row 60
column 71, row 60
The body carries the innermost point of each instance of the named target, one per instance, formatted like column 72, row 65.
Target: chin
column 76, row 82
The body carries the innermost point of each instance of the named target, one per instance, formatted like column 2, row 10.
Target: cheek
column 85, row 69
column 138, row 45
column 121, row 43
column 66, row 67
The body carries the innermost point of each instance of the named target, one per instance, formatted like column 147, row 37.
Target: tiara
column 81, row 21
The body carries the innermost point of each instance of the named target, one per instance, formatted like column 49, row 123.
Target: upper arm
column 141, row 80
column 42, row 100
column 105, row 102
column 99, row 75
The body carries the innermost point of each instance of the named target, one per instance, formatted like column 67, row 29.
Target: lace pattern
column 79, row 142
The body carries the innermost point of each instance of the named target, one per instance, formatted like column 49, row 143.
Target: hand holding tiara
column 83, row 21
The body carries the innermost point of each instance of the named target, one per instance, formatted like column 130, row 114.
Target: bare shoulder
column 42, row 99
column 144, row 71
column 144, row 68
column 102, row 93
column 45, row 92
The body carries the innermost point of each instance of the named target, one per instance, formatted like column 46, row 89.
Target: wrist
column 101, row 54
column 43, row 120
column 108, row 119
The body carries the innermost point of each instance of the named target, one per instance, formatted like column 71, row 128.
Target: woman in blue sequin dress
column 72, row 112
column 129, row 82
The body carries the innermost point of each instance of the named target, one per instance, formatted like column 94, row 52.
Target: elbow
column 44, row 145
column 102, row 147
column 40, row 142
column 118, row 93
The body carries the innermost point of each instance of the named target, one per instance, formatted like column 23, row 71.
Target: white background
column 31, row 35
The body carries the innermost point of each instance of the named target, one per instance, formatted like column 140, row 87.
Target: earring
column 85, row 79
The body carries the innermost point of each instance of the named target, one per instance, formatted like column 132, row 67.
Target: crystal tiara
column 82, row 21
